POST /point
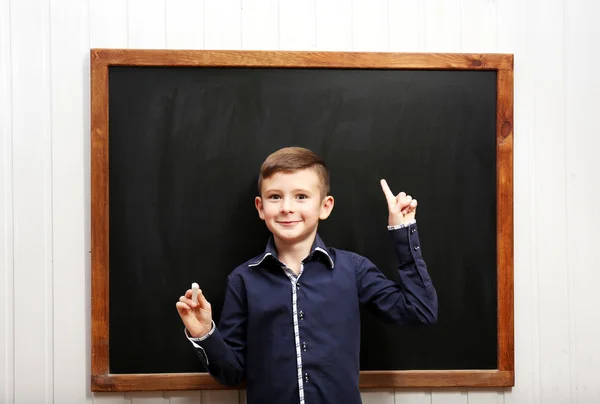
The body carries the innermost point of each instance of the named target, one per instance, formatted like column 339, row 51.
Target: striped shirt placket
column 294, row 280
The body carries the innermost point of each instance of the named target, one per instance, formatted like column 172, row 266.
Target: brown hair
column 290, row 159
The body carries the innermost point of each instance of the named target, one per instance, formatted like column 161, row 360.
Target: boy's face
column 291, row 205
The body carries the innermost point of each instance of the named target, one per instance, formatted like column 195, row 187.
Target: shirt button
column 301, row 314
column 416, row 247
column 306, row 378
column 413, row 230
column 304, row 345
column 297, row 286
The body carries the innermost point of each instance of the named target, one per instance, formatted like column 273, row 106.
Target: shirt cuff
column 200, row 339
column 400, row 226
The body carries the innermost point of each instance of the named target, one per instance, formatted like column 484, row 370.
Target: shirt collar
column 318, row 247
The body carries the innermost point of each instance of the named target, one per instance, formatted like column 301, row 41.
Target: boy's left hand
column 402, row 207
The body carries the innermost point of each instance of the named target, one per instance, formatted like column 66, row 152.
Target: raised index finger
column 389, row 196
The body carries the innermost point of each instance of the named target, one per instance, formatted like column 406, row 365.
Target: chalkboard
column 177, row 142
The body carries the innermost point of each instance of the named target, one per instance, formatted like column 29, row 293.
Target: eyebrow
column 306, row 191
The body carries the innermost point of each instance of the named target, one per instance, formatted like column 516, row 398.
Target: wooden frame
column 101, row 59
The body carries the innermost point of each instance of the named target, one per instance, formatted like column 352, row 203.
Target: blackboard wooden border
column 101, row 59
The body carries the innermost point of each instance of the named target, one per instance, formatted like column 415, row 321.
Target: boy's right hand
column 196, row 316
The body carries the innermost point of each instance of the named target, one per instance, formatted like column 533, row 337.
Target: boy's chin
column 287, row 235
column 291, row 235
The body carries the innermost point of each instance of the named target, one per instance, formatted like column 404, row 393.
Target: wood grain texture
column 436, row 378
column 505, row 236
column 99, row 217
column 101, row 59
column 157, row 381
column 354, row 60
column 368, row 380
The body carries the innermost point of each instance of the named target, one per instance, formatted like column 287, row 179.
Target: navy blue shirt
column 296, row 339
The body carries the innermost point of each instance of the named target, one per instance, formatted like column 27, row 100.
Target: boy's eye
column 301, row 196
column 274, row 197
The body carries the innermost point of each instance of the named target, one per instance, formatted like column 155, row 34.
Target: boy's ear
column 326, row 207
column 259, row 207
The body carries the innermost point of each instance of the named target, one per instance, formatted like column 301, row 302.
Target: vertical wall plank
column 407, row 25
column 370, row 30
column 485, row 396
column 297, row 25
column 111, row 398
column 6, row 211
column 220, row 397
column 32, row 190
column 108, row 29
column 377, row 396
column 148, row 397
column 185, row 24
column 333, row 25
column 478, row 26
column 412, row 396
column 442, row 24
column 146, row 24
column 108, row 23
column 222, row 24
column 70, row 118
column 550, row 182
column 449, row 397
column 182, row 397
column 260, row 24
column 582, row 86
column 513, row 19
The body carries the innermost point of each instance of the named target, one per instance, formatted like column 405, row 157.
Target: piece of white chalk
column 195, row 289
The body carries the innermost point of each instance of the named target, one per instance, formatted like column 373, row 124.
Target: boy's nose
column 287, row 205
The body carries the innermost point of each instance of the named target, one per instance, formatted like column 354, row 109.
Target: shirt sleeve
column 223, row 350
column 199, row 350
column 401, row 226
column 195, row 340
column 411, row 301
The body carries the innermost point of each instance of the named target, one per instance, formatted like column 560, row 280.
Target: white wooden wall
column 45, row 170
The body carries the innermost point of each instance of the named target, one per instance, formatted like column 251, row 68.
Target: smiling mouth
column 288, row 222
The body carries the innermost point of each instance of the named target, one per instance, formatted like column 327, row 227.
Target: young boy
column 290, row 324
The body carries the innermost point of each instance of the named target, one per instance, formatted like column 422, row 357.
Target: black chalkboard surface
column 183, row 150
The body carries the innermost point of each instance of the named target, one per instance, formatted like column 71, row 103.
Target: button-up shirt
column 296, row 338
